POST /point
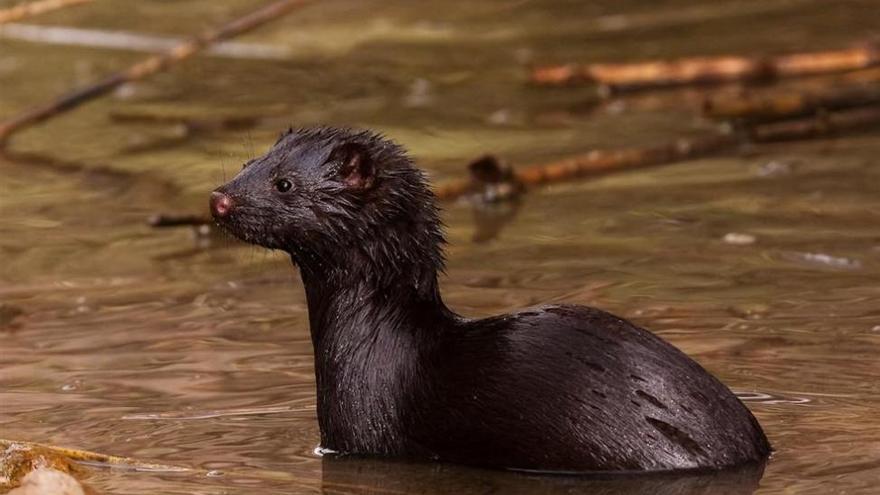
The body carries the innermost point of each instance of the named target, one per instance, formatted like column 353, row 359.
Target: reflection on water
column 121, row 339
column 766, row 398
column 342, row 475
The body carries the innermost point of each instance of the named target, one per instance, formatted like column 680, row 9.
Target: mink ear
column 356, row 169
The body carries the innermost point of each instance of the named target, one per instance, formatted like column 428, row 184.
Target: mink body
column 556, row 388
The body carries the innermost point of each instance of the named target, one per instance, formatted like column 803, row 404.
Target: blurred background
column 184, row 347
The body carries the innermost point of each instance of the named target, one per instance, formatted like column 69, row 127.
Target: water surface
column 137, row 342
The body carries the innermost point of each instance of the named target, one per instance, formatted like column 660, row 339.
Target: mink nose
column 221, row 204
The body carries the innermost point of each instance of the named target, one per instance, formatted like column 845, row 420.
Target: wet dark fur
column 561, row 388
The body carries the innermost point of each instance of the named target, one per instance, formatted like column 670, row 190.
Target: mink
column 556, row 388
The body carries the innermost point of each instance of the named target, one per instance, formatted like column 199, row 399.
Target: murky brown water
column 133, row 342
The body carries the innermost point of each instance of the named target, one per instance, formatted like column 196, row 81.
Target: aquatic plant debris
column 20, row 457
column 17, row 459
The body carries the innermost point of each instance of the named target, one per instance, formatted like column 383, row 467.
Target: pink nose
column 221, row 204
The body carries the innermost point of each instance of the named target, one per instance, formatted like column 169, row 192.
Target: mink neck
column 357, row 297
column 366, row 317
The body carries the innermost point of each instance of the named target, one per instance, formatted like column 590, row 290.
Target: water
column 764, row 266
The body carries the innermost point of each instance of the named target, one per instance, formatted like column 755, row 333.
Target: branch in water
column 777, row 106
column 599, row 162
column 148, row 66
column 705, row 70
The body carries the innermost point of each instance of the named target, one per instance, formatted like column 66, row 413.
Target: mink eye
column 283, row 185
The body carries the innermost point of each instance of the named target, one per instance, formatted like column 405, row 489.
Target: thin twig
column 33, row 9
column 148, row 66
column 702, row 70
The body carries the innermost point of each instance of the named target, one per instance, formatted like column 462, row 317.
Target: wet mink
column 554, row 388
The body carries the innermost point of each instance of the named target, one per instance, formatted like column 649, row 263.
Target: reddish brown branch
column 148, row 66
column 701, row 70
column 779, row 106
column 604, row 161
column 33, row 9
column 598, row 162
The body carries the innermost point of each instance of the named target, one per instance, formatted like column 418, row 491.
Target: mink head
column 336, row 200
